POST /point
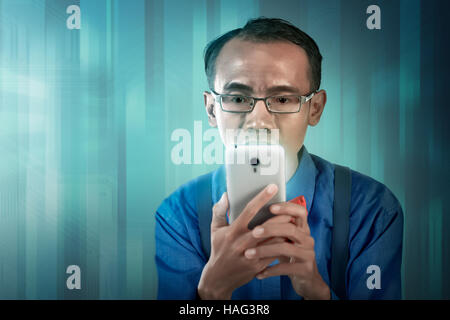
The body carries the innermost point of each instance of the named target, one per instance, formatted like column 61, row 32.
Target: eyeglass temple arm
column 307, row 98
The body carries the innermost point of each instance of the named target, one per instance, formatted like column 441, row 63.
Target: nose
column 259, row 118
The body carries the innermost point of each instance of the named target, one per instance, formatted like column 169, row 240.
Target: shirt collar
column 302, row 183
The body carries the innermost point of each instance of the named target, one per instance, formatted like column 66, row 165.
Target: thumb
column 219, row 217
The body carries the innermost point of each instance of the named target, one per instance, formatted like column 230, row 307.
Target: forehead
column 262, row 65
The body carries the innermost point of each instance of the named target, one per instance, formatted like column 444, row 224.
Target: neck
column 292, row 163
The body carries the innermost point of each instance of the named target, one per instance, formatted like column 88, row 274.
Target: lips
column 255, row 136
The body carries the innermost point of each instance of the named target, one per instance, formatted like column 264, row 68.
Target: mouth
column 257, row 136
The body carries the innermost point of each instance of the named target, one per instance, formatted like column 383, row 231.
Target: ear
column 210, row 108
column 317, row 104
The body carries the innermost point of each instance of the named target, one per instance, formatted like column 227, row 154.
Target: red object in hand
column 301, row 201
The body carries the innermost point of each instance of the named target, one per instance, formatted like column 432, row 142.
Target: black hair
column 264, row 30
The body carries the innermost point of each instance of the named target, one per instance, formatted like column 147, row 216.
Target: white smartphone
column 249, row 169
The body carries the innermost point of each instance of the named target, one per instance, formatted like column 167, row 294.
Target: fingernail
column 258, row 231
column 222, row 198
column 271, row 188
column 250, row 253
column 275, row 208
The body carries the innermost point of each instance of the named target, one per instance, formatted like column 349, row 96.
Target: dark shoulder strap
column 204, row 210
column 340, row 236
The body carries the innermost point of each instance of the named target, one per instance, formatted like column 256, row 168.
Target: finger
column 282, row 218
column 219, row 217
column 292, row 209
column 265, row 263
column 246, row 240
column 251, row 241
column 269, row 241
column 281, row 269
column 285, row 259
column 252, row 208
column 275, row 220
column 285, row 249
column 285, row 230
column 297, row 211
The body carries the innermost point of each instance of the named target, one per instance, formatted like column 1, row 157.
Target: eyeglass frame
column 303, row 99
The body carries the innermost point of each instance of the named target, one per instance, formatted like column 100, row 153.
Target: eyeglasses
column 237, row 103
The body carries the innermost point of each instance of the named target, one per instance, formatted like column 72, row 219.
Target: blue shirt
column 375, row 236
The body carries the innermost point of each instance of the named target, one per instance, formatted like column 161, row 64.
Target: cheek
column 292, row 131
column 228, row 121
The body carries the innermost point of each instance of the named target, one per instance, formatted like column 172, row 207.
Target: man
column 271, row 57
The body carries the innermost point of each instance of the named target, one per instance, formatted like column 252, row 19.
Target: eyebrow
column 243, row 87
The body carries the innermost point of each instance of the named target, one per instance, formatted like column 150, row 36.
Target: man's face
column 261, row 70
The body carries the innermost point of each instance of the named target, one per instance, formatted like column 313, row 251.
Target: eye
column 282, row 100
column 238, row 99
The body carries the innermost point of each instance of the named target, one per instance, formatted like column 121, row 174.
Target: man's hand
column 227, row 267
column 296, row 255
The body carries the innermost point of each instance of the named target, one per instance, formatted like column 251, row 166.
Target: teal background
column 86, row 118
